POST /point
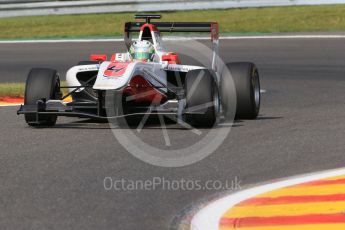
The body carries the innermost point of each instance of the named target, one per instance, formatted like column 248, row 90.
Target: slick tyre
column 245, row 76
column 202, row 98
column 41, row 83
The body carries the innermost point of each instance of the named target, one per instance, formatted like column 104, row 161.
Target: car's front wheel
column 42, row 83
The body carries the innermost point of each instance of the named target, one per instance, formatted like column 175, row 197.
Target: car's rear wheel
column 41, row 83
column 202, row 98
column 245, row 76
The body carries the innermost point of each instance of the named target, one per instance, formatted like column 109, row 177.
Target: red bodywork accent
column 116, row 69
column 143, row 91
column 171, row 58
column 98, row 57
column 113, row 57
column 214, row 31
column 150, row 26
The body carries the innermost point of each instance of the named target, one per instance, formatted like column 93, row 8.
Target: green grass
column 17, row 89
column 250, row 20
column 12, row 90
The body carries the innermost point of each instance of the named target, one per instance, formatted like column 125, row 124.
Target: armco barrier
column 10, row 8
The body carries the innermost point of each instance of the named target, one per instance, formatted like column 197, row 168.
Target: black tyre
column 41, row 83
column 247, row 83
column 201, row 97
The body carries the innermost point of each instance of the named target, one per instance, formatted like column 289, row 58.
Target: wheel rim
column 256, row 89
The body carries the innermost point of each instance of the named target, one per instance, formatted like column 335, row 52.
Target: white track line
column 62, row 41
column 178, row 38
column 9, row 105
column 208, row 218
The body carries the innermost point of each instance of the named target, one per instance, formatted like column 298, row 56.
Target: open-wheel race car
column 146, row 79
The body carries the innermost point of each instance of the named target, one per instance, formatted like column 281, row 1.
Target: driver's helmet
column 142, row 51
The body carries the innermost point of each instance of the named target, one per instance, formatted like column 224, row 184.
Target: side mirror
column 98, row 57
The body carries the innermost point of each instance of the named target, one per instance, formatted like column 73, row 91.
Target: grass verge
column 16, row 90
column 12, row 90
column 248, row 20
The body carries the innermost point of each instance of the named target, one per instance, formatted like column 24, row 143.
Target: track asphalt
column 52, row 178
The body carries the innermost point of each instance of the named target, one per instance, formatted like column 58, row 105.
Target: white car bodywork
column 150, row 70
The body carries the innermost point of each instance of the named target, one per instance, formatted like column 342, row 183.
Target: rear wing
column 197, row 27
column 173, row 27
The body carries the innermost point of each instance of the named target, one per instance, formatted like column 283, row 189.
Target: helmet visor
column 142, row 55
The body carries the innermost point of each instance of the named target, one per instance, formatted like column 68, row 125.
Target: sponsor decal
column 116, row 69
column 182, row 68
column 89, row 68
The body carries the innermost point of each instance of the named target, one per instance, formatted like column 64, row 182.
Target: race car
column 147, row 79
